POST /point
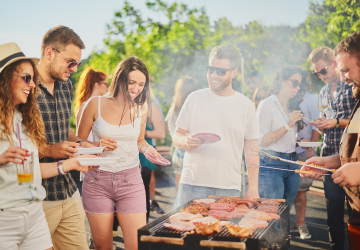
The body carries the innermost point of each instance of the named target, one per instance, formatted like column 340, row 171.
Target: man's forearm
column 253, row 161
column 343, row 123
column 72, row 136
column 333, row 161
column 179, row 140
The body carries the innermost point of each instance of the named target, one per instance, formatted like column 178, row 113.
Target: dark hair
column 351, row 45
column 257, row 74
column 60, row 36
column 31, row 116
column 226, row 52
column 293, row 103
column 88, row 78
column 120, row 82
column 183, row 87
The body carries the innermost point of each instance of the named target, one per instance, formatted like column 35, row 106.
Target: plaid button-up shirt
column 341, row 107
column 56, row 113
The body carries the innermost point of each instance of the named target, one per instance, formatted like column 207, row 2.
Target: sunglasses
column 323, row 71
column 219, row 71
column 71, row 64
column 295, row 83
column 27, row 78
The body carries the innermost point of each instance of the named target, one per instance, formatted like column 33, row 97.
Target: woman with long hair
column 280, row 119
column 183, row 87
column 22, row 219
column 118, row 121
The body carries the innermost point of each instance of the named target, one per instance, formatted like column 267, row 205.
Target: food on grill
column 204, row 221
column 242, row 207
column 224, row 222
column 204, row 201
column 268, row 208
column 196, row 209
column 224, row 215
column 242, row 232
column 243, row 210
column 238, row 201
column 222, row 207
column 273, row 216
column 252, row 223
column 311, row 164
column 179, row 225
column 276, row 203
column 258, row 215
column 208, row 229
column 184, row 216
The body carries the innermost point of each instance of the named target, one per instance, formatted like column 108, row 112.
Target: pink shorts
column 125, row 189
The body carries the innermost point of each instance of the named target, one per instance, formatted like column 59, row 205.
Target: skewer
column 298, row 171
column 293, row 162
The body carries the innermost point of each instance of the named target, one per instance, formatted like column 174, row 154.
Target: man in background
column 254, row 80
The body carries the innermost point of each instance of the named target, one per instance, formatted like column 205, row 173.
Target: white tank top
column 126, row 137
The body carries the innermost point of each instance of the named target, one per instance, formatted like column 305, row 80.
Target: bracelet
column 301, row 139
column 79, row 141
column 145, row 148
column 288, row 127
column 141, row 146
column 60, row 167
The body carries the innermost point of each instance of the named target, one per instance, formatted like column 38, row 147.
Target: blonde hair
column 324, row 53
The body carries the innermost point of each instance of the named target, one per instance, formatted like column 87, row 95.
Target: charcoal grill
column 154, row 236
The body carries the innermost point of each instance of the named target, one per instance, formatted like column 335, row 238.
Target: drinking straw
column 18, row 130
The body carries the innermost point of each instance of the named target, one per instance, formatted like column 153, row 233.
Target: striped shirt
column 56, row 114
column 341, row 107
column 271, row 117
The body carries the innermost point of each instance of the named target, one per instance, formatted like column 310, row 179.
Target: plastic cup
column 25, row 172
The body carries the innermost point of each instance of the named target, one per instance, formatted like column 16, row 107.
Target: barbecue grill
column 154, row 236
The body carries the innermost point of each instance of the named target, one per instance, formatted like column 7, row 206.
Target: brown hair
column 120, row 82
column 324, row 53
column 60, row 36
column 226, row 52
column 86, row 84
column 31, row 116
column 293, row 103
column 351, row 45
column 183, row 87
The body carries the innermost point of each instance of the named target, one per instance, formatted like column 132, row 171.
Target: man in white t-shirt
column 215, row 169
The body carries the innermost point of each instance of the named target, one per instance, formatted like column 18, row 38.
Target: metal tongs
column 298, row 171
column 257, row 153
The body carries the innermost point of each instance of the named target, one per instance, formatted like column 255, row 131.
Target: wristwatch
column 79, row 141
column 337, row 124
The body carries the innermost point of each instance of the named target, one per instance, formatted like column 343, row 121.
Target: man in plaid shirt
column 60, row 56
column 337, row 103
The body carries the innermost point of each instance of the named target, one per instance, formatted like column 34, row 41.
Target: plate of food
column 207, row 137
column 157, row 160
column 97, row 161
column 89, row 151
column 314, row 122
column 309, row 144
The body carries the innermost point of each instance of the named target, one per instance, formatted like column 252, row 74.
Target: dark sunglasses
column 71, row 64
column 27, row 78
column 295, row 83
column 323, row 71
column 219, row 71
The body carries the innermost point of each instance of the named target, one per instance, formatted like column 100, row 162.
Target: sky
column 25, row 22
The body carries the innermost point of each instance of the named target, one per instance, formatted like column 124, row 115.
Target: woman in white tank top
column 118, row 121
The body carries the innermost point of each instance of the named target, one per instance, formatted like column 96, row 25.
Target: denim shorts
column 101, row 189
column 189, row 192
column 278, row 184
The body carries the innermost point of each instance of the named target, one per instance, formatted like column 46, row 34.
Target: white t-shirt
column 233, row 118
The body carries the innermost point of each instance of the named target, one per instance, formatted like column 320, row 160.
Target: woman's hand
column 153, row 151
column 13, row 154
column 110, row 144
column 73, row 164
column 294, row 117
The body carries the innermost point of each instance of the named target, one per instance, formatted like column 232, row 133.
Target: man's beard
column 224, row 84
column 56, row 76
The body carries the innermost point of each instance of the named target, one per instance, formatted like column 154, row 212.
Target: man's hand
column 321, row 161
column 326, row 124
column 348, row 175
column 63, row 149
column 252, row 194
column 192, row 142
column 85, row 144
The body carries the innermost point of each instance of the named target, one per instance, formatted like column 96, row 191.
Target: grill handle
column 167, row 240
column 224, row 244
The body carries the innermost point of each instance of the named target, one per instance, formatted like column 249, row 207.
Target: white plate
column 89, row 151
column 309, row 144
column 97, row 161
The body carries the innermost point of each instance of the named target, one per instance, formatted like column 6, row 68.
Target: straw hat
column 10, row 52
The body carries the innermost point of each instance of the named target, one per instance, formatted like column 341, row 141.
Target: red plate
column 160, row 160
column 207, row 137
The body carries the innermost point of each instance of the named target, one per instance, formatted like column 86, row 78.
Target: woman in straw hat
column 22, row 133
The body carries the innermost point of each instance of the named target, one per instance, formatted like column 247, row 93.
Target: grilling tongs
column 257, row 153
